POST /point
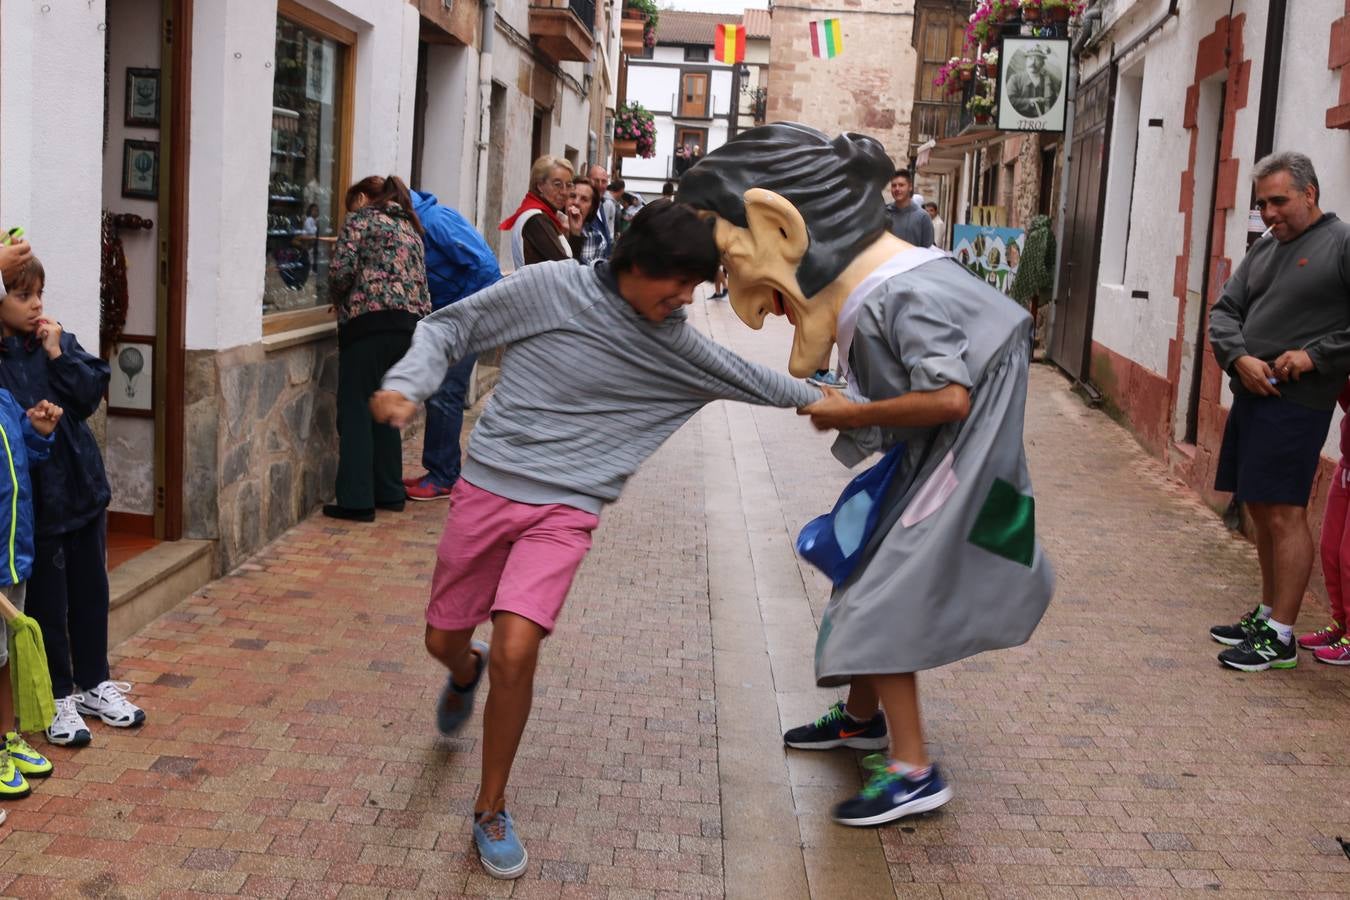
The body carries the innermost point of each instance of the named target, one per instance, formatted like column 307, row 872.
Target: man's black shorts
column 1270, row 451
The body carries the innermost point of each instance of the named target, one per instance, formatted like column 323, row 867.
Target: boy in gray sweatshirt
column 550, row 451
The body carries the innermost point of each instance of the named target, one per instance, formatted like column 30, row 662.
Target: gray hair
column 1299, row 167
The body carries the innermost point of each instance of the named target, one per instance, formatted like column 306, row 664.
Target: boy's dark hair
column 835, row 183
column 668, row 189
column 616, row 186
column 667, row 240
column 31, row 277
column 929, row 204
column 903, row 173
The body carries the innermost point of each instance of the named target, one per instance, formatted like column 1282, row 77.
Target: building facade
column 697, row 101
column 1181, row 102
column 868, row 88
column 230, row 133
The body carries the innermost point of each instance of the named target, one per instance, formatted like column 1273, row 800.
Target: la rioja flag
column 827, row 39
column 729, row 44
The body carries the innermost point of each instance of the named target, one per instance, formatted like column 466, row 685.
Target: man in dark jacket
column 459, row 263
column 1281, row 329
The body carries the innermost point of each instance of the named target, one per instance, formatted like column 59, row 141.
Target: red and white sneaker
column 1338, row 654
column 1322, row 637
column 426, row 489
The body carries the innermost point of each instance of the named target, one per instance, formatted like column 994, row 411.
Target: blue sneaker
column 891, row 795
column 828, row 379
column 499, row 849
column 455, row 704
column 837, row 729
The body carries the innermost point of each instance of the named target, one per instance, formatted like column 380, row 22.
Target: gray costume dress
column 953, row 567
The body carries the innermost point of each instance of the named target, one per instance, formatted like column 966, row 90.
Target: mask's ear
column 774, row 221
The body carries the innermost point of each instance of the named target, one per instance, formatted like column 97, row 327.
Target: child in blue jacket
column 24, row 437
column 68, row 591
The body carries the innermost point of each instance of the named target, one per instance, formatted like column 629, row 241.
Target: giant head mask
column 795, row 209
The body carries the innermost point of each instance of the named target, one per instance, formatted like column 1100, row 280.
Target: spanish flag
column 827, row 39
column 729, row 44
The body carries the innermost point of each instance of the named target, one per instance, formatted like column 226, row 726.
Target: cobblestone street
column 290, row 752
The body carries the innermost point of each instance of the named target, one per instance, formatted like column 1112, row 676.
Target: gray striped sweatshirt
column 589, row 388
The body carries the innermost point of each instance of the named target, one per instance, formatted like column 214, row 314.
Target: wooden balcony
column 563, row 28
column 630, row 34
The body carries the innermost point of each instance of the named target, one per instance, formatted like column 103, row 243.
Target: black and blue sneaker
column 838, row 729
column 890, row 795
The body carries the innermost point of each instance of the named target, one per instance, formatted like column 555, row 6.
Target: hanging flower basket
column 625, row 148
column 635, row 123
column 1031, row 10
column 1057, row 13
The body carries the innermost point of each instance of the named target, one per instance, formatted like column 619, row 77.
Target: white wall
column 234, row 45
column 51, row 140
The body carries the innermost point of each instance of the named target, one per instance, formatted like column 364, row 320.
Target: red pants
column 1336, row 545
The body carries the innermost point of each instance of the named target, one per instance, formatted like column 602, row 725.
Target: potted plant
column 643, row 9
column 634, row 131
column 965, row 68
column 981, row 107
column 977, row 32
column 1031, row 10
column 1056, row 10
column 989, row 63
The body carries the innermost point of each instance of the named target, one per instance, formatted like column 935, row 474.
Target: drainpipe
column 489, row 13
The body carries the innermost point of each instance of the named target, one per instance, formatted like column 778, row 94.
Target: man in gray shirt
column 908, row 221
column 1281, row 329
column 550, row 451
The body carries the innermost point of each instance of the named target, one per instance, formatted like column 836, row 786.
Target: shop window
column 310, row 164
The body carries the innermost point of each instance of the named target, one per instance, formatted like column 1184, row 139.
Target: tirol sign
column 1033, row 78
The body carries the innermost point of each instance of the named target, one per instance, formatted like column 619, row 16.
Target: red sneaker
column 410, row 482
column 1322, row 637
column 426, row 489
column 1338, row 654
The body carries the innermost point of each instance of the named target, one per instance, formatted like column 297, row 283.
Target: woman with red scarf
column 537, row 232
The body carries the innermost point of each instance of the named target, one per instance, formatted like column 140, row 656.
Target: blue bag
column 834, row 542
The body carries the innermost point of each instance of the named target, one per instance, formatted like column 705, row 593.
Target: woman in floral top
column 377, row 283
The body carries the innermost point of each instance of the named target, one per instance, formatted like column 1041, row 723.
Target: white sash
column 898, row 264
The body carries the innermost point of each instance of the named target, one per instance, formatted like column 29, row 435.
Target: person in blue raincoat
column 459, row 263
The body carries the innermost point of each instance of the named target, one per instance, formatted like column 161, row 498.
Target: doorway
column 146, row 57
column 694, row 95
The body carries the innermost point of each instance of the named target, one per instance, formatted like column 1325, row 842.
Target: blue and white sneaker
column 891, row 795
column 455, row 704
column 499, row 849
column 826, row 378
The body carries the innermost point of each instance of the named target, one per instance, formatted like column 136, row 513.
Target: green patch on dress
column 826, row 626
column 1006, row 524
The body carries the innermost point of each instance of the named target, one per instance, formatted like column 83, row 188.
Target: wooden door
column 1071, row 340
column 694, row 95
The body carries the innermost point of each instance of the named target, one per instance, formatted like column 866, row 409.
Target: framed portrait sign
column 1033, row 77
column 131, row 389
column 142, row 98
column 140, row 169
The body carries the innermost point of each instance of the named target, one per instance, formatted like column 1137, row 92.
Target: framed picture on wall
column 131, row 390
column 142, row 98
column 140, row 169
column 1032, row 84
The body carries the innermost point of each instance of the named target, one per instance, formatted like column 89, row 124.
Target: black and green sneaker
column 1232, row 635
column 1262, row 650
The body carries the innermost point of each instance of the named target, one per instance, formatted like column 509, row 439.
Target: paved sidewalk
column 290, row 753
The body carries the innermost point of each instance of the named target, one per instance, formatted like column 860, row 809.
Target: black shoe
column 392, row 506
column 837, row 729
column 1262, row 650
column 890, row 795
column 333, row 511
column 1232, row 635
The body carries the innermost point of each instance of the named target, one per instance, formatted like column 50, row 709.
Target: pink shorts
column 498, row 555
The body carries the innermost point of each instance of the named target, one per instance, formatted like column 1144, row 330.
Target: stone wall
column 868, row 88
column 261, row 442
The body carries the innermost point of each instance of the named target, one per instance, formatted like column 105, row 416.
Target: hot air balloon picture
column 131, row 388
column 140, row 169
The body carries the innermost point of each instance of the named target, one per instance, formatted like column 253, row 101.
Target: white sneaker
column 108, row 703
column 67, row 727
